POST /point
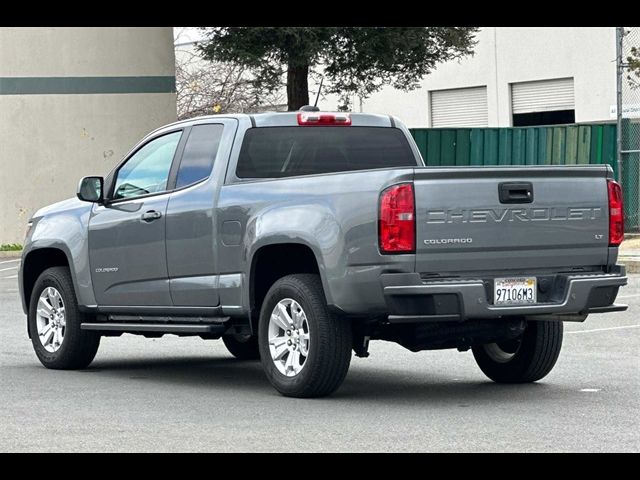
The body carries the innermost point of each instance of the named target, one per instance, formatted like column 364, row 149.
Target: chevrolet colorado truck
column 299, row 237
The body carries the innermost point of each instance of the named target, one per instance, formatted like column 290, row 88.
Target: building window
column 459, row 107
column 545, row 102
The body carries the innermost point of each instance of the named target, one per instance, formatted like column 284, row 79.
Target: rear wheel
column 54, row 323
column 305, row 349
column 243, row 347
column 526, row 359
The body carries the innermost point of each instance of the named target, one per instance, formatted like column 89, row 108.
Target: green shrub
column 10, row 247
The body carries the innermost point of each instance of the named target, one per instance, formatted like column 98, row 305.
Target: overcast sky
column 186, row 34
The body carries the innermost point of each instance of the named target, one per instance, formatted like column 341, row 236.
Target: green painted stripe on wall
column 85, row 85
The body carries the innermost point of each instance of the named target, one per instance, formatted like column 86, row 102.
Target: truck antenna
column 319, row 90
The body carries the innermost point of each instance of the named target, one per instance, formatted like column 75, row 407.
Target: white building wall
column 506, row 55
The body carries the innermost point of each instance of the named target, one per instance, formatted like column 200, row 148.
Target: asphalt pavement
column 187, row 394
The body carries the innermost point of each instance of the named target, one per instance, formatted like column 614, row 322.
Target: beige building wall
column 73, row 101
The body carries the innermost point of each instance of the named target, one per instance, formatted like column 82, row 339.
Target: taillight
column 310, row 119
column 616, row 214
column 397, row 223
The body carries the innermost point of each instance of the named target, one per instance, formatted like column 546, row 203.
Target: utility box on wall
column 73, row 101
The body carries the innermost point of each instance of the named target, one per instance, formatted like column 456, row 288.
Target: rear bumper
column 410, row 299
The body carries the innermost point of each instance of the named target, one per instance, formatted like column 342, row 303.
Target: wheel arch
column 37, row 261
column 267, row 265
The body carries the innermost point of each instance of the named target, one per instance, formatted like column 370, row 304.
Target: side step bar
column 155, row 327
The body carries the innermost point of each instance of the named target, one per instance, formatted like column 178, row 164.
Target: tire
column 525, row 360
column 77, row 348
column 328, row 344
column 243, row 347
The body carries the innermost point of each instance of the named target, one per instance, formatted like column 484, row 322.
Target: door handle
column 150, row 216
column 516, row 192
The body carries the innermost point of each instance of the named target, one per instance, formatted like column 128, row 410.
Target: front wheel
column 54, row 323
column 305, row 349
column 523, row 360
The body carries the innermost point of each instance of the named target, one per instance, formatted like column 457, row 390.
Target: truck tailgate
column 501, row 219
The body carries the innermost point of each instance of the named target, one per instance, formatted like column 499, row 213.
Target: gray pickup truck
column 299, row 237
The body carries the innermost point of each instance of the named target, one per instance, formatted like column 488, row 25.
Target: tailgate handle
column 516, row 192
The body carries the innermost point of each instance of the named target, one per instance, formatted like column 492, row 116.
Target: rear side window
column 199, row 154
column 274, row 152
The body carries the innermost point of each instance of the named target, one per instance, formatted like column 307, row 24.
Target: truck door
column 191, row 215
column 127, row 248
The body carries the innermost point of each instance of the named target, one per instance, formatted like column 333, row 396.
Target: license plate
column 514, row 291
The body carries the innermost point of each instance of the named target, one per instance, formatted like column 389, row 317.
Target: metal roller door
column 542, row 96
column 460, row 107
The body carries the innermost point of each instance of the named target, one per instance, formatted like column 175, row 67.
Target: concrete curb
column 10, row 255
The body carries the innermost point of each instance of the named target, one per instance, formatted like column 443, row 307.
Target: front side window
column 199, row 153
column 147, row 171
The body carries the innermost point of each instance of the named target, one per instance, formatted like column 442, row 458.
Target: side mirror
column 90, row 189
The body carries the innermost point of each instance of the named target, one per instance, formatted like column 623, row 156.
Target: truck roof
column 284, row 119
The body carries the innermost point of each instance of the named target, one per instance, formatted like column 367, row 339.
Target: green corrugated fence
column 556, row 145
column 573, row 144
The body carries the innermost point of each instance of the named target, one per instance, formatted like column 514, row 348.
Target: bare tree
column 206, row 88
